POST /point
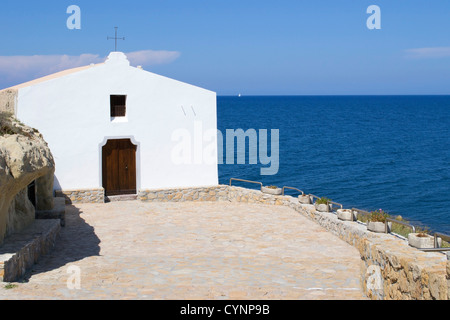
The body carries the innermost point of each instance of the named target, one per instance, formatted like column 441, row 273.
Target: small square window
column 118, row 106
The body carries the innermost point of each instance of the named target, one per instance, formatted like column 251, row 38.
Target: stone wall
column 8, row 100
column 448, row 276
column 215, row 193
column 390, row 268
column 23, row 249
column 393, row 270
column 82, row 196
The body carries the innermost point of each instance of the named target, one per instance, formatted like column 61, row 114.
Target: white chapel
column 111, row 126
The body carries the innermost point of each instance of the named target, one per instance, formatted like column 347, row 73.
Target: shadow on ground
column 76, row 241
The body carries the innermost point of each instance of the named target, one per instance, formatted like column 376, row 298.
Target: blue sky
column 251, row 47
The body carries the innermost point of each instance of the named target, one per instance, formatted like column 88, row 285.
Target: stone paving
column 192, row 251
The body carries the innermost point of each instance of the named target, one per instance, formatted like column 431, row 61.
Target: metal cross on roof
column 115, row 38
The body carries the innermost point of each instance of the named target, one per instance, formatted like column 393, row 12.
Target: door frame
column 138, row 158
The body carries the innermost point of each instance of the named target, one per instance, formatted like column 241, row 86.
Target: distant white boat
column 239, row 95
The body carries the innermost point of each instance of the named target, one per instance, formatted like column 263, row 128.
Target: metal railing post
column 249, row 181
column 399, row 222
column 293, row 189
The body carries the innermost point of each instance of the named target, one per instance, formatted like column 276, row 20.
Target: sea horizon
column 333, row 95
column 368, row 152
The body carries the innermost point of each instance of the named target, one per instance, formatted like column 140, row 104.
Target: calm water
column 388, row 152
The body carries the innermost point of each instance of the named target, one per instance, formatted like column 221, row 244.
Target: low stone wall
column 58, row 211
column 82, row 196
column 390, row 268
column 22, row 250
column 214, row 193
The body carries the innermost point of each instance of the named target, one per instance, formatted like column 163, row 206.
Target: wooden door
column 119, row 167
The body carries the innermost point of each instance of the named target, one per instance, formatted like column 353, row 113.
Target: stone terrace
column 193, row 250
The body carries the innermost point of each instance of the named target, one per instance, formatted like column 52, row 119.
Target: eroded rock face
column 23, row 159
column 21, row 212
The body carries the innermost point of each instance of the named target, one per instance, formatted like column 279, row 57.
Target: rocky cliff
column 24, row 157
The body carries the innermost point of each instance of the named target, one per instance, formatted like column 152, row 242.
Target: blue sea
column 368, row 152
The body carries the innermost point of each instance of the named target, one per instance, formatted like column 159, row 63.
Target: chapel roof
column 117, row 58
column 50, row 77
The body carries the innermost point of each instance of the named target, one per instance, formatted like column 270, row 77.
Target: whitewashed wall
column 73, row 114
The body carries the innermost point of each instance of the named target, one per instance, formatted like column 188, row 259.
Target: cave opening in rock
column 32, row 193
